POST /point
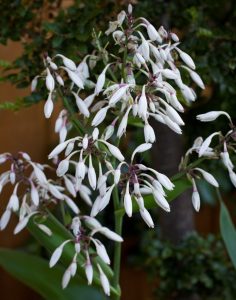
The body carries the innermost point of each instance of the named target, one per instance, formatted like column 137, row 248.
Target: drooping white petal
column 141, row 148
column 68, row 62
column 101, row 81
column 206, row 143
column 55, row 256
column 50, row 82
column 149, row 133
column 5, row 219
column 142, row 105
column 161, row 201
column 101, row 251
column 62, row 167
column 146, row 217
column 123, row 124
column 92, row 177
column 89, row 272
column 104, row 281
column 66, row 278
column 110, row 234
column 100, row 116
column 208, row 177
column 71, row 204
column 81, row 105
column 34, row 195
column 128, row 201
column 118, row 95
column 187, row 59
column 59, row 148
column 115, row 151
column 74, row 77
column 21, row 225
column 212, row 116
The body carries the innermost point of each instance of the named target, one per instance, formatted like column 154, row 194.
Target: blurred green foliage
column 197, row 266
column 46, row 26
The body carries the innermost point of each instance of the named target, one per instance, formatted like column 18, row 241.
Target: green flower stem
column 117, row 251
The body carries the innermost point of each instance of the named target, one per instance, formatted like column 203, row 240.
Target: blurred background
column 179, row 260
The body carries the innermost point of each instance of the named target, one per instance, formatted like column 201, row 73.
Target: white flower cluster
column 35, row 190
column 152, row 57
column 220, row 151
column 84, row 228
column 139, row 80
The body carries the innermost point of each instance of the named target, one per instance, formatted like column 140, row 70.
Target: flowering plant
column 137, row 76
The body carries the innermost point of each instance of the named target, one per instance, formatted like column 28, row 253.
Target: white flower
column 59, row 148
column 118, row 95
column 226, row 159
column 92, row 177
column 149, row 133
column 123, row 124
column 62, row 167
column 104, row 281
column 206, row 144
column 197, row 79
column 161, row 201
column 21, row 225
column 110, row 234
column 74, row 77
column 146, row 217
column 81, row 105
column 66, row 278
column 89, row 272
column 48, row 106
column 212, row 116
column 59, row 80
column 89, row 100
column 71, row 204
column 128, row 201
column 100, row 116
column 5, row 219
column 101, row 80
column 114, row 150
column 153, row 34
column 101, row 251
column 187, row 59
column 106, row 198
column 141, row 148
column 34, row 194
column 68, row 62
column 13, row 203
column 142, row 105
column 57, row 254
column 34, row 83
column 144, row 47
column 50, row 82
column 169, row 74
column 195, row 197
column 208, row 177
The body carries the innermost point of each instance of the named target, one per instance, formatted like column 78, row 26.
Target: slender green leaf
column 35, row 273
column 228, row 232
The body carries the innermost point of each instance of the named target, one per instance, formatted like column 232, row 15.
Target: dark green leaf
column 228, row 232
column 35, row 272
